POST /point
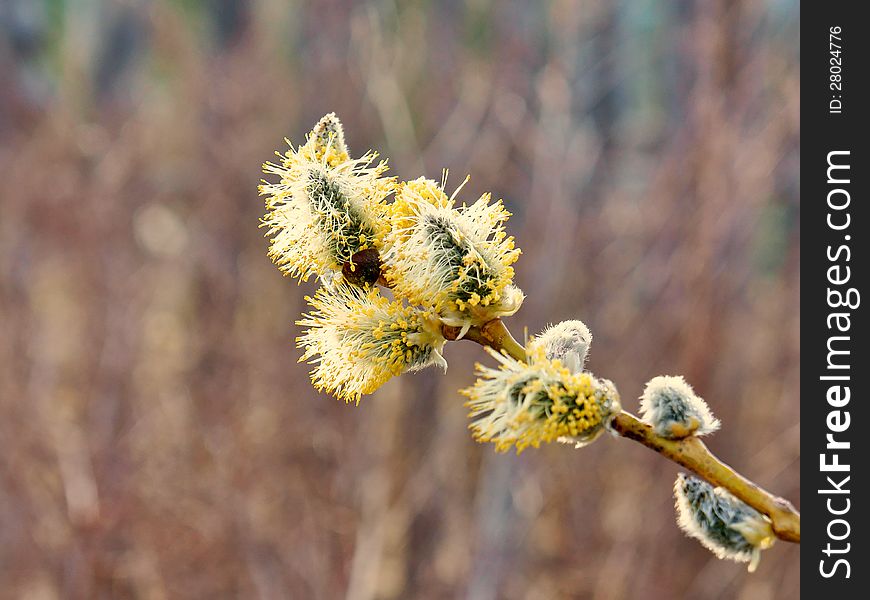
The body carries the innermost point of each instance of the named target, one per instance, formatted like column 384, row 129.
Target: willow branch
column 693, row 454
column 689, row 452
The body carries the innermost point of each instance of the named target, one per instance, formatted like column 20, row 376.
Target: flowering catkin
column 524, row 404
column 567, row 341
column 725, row 525
column 358, row 340
column 326, row 207
column 672, row 408
column 453, row 260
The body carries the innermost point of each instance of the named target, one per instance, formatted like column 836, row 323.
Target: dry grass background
column 158, row 439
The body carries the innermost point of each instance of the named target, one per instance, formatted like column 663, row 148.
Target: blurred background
column 158, row 438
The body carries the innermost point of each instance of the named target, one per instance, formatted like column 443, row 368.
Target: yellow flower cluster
column 525, row 404
column 328, row 216
column 361, row 340
column 455, row 260
column 326, row 206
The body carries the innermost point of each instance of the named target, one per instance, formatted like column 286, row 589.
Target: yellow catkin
column 358, row 340
column 523, row 405
column 455, row 260
column 325, row 207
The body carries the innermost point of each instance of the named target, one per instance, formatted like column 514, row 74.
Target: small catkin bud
column 525, row 404
column 725, row 525
column 567, row 342
column 673, row 409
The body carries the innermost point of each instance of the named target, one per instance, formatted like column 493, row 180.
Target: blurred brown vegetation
column 158, row 438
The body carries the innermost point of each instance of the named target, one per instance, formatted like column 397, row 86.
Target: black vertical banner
column 835, row 57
